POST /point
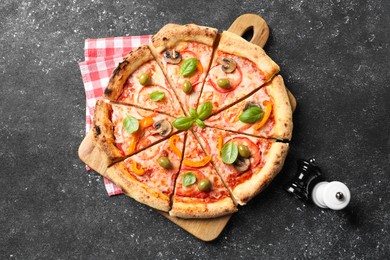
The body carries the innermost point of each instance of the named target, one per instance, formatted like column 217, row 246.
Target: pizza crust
column 247, row 190
column 103, row 132
column 234, row 44
column 192, row 208
column 281, row 109
column 119, row 76
column 171, row 34
column 137, row 190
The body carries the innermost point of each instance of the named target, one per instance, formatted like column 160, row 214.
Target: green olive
column 164, row 162
column 187, row 87
column 204, row 185
column 223, row 83
column 243, row 150
column 144, row 79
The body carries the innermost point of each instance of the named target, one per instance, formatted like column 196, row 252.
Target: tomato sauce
column 234, row 180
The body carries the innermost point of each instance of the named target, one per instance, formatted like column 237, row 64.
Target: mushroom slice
column 242, row 164
column 249, row 104
column 172, row 56
column 162, row 127
column 228, row 64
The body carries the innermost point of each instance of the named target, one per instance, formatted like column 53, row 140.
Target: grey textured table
column 334, row 56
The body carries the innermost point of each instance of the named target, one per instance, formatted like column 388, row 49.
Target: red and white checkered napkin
column 101, row 58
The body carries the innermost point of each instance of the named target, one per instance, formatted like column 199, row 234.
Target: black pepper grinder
column 309, row 185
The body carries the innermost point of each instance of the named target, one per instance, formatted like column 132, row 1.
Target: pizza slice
column 246, row 164
column 149, row 176
column 238, row 68
column 184, row 53
column 199, row 191
column 121, row 130
column 267, row 113
column 138, row 80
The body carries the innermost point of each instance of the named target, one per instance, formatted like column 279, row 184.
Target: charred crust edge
column 107, row 91
column 97, row 130
column 120, row 66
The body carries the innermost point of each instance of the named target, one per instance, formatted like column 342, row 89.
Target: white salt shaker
column 334, row 195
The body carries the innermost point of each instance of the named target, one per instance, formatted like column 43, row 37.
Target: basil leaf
column 229, row 152
column 204, row 110
column 251, row 115
column 189, row 178
column 157, row 95
column 193, row 113
column 183, row 122
column 188, row 66
column 130, row 124
column 200, row 123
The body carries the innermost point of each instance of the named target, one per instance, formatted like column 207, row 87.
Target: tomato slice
column 143, row 99
column 186, row 54
column 194, row 78
column 192, row 190
column 217, row 191
column 128, row 90
column 235, row 78
column 253, row 148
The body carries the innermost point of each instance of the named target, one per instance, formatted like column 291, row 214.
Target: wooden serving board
column 204, row 229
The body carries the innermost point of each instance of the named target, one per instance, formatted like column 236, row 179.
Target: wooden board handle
column 254, row 22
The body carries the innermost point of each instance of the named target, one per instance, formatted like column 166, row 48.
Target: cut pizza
column 267, row 113
column 238, row 68
column 184, row 53
column 121, row 130
column 149, row 176
column 220, row 160
column 246, row 164
column 138, row 80
column 199, row 191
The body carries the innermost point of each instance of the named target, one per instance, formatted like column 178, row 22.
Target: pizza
column 238, row 68
column 185, row 52
column 149, row 176
column 121, row 130
column 194, row 126
column 273, row 103
column 255, row 164
column 138, row 80
column 199, row 192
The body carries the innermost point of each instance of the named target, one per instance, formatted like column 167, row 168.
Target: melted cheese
column 135, row 93
column 252, row 78
column 155, row 176
column 122, row 137
column 203, row 53
column 218, row 190
column 228, row 173
column 228, row 119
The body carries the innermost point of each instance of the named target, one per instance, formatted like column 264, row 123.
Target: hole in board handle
column 248, row 34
